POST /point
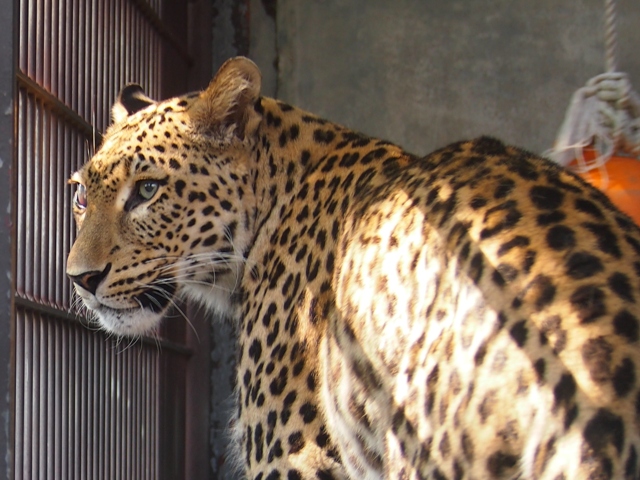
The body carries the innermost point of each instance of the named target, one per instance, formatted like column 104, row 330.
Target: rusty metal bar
column 85, row 407
column 52, row 312
column 154, row 19
column 56, row 105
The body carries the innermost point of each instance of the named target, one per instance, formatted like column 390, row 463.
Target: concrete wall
column 423, row 73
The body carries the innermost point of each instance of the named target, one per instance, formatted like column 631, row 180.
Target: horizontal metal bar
column 149, row 12
column 58, row 107
column 70, row 317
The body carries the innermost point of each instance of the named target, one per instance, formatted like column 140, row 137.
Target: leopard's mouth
column 152, row 303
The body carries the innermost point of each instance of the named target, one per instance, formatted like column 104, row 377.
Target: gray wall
column 424, row 73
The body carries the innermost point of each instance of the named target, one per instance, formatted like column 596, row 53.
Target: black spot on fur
column 607, row 240
column 561, row 237
column 596, row 354
column 587, row 206
column 540, row 367
column 500, row 463
column 179, row 186
column 630, row 469
column 515, row 242
column 543, row 290
column 274, row 475
column 488, row 146
column 626, row 325
column 589, row 301
column 323, row 136
column 604, row 428
column 624, row 377
column 546, row 198
column 259, row 442
column 583, row 265
column 296, row 442
column 549, row 218
column 620, row 284
column 279, row 383
column 504, row 274
column 476, row 267
column 294, row 474
column 504, row 188
column 564, row 391
column 308, row 412
column 519, row 332
column 635, row 244
column 478, row 202
column 510, row 217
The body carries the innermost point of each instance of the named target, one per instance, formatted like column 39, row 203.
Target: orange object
column 621, row 182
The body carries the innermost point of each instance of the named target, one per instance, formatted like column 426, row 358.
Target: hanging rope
column 610, row 36
column 604, row 114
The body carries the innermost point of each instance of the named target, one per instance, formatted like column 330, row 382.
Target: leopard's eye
column 80, row 197
column 147, row 188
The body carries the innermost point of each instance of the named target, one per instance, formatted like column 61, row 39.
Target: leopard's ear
column 131, row 99
column 226, row 107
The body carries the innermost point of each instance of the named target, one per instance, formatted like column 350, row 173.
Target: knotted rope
column 604, row 114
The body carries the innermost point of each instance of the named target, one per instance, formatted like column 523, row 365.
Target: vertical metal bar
column 21, row 187
column 48, row 407
column 20, row 389
column 126, row 32
column 23, row 56
column 101, row 395
column 117, row 19
column 31, row 25
column 37, row 202
column 56, row 364
column 56, row 231
column 47, row 44
column 67, row 79
column 53, row 45
column 54, row 274
column 73, row 55
column 66, row 233
column 84, row 358
column 31, row 445
column 128, row 408
column 42, row 394
column 47, row 246
column 110, row 416
column 87, row 45
column 28, row 250
column 76, row 432
column 64, row 403
column 95, row 52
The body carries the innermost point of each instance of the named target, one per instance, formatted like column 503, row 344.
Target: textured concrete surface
column 424, row 73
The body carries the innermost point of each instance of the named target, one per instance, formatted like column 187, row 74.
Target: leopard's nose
column 91, row 280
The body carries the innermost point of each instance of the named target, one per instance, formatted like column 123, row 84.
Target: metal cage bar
column 85, row 406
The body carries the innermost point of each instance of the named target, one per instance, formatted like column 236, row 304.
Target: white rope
column 605, row 113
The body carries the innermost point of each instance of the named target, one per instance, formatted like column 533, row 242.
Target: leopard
column 468, row 314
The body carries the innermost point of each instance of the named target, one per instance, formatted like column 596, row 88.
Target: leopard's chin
column 127, row 321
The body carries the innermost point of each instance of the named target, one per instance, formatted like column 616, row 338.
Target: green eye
column 147, row 188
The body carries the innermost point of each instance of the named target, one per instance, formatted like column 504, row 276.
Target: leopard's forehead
column 142, row 142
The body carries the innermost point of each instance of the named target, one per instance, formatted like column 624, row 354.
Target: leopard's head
column 164, row 208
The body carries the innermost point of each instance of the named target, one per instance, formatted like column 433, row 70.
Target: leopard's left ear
column 131, row 99
column 225, row 108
